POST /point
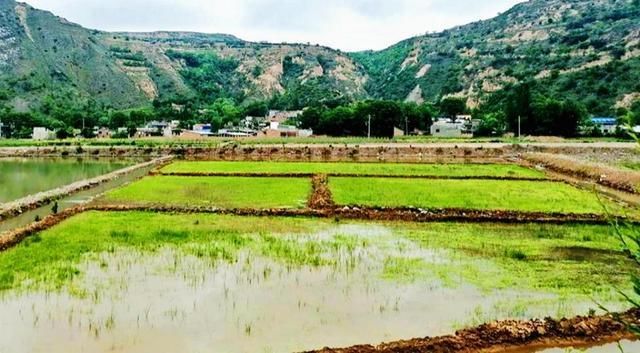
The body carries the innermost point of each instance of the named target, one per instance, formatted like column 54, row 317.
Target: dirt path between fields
column 347, row 175
column 622, row 180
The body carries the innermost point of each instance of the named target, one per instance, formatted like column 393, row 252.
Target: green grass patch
column 51, row 259
column 457, row 170
column 533, row 256
column 225, row 192
column 472, row 194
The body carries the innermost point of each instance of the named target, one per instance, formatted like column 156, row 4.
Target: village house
column 42, row 133
column 102, row 133
column 462, row 126
column 198, row 131
column 276, row 130
column 158, row 128
column 606, row 125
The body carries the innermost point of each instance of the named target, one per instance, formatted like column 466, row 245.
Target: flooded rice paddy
column 318, row 284
column 20, row 177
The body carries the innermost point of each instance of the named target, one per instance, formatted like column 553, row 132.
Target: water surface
column 171, row 300
column 20, row 177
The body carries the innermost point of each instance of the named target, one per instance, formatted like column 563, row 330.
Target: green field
column 104, row 275
column 225, row 192
column 473, row 194
column 453, row 170
column 577, row 259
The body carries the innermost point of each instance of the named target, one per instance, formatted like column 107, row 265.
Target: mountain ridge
column 46, row 58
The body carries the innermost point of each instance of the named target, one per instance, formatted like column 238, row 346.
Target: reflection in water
column 26, row 176
column 168, row 301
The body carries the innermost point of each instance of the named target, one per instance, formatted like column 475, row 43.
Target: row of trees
column 374, row 118
column 64, row 116
column 520, row 109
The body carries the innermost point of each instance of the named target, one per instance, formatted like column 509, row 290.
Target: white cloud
column 343, row 24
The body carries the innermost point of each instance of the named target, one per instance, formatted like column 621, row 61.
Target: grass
column 224, row 192
column 573, row 259
column 568, row 259
column 459, row 170
column 51, row 259
column 472, row 194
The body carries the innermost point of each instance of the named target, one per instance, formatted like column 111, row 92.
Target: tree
column 256, row 109
column 491, row 124
column 451, row 107
column 385, row 116
column 518, row 109
column 311, row 118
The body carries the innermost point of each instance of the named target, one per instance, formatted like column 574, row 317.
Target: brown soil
column 321, row 197
column 623, row 180
column 14, row 237
column 512, row 336
column 346, row 175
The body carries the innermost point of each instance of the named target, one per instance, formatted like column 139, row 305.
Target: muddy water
column 20, row 177
column 168, row 301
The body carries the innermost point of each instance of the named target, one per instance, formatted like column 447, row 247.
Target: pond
column 20, row 177
column 210, row 285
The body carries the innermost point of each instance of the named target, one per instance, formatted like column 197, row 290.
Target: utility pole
column 406, row 125
column 369, row 126
column 519, row 128
column 1, row 128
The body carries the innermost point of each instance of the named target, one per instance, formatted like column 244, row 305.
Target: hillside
column 588, row 50
column 42, row 55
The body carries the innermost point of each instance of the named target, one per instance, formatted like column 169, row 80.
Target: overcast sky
column 345, row 24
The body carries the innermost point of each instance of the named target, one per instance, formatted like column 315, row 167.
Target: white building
column 42, row 133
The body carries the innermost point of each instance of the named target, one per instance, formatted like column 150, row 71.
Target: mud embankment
column 19, row 206
column 14, row 237
column 506, row 336
column 622, row 180
column 347, row 175
column 321, row 197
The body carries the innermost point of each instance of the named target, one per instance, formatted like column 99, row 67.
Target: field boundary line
column 621, row 180
column 347, row 175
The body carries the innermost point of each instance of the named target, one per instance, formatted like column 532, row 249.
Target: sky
column 349, row 25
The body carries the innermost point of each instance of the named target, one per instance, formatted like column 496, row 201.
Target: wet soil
column 321, row 197
column 348, row 175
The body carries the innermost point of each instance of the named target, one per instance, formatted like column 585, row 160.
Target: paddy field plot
column 223, row 192
column 210, row 282
column 534, row 196
column 439, row 170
